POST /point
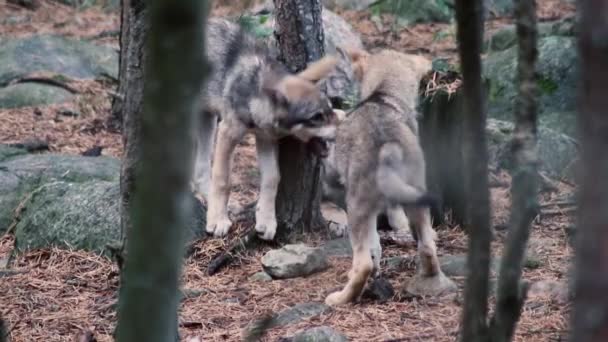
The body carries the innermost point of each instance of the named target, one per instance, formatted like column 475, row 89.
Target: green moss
column 547, row 85
column 255, row 25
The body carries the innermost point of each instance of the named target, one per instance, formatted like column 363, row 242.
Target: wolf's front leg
column 218, row 222
column 205, row 146
column 265, row 211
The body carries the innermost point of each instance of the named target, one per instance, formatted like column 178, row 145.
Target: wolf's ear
column 319, row 69
column 359, row 59
column 289, row 89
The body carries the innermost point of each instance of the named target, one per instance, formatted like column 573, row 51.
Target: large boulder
column 558, row 85
column 58, row 56
column 65, row 201
column 31, row 94
column 557, row 152
column 66, row 56
column 506, row 37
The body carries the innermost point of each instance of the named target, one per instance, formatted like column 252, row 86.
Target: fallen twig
column 45, row 80
column 224, row 258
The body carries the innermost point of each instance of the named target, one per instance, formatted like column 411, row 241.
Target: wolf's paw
column 267, row 228
column 219, row 228
column 436, row 285
column 336, row 298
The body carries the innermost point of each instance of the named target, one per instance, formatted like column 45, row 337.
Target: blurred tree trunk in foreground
column 299, row 33
column 524, row 188
column 590, row 314
column 469, row 20
column 510, row 295
column 160, row 203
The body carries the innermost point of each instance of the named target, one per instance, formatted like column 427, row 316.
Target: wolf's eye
column 318, row 117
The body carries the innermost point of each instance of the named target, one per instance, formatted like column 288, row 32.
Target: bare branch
column 524, row 189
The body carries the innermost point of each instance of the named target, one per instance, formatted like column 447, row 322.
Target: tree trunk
column 159, row 203
column 127, row 108
column 3, row 331
column 469, row 20
column 300, row 39
column 524, row 202
column 590, row 314
column 442, row 132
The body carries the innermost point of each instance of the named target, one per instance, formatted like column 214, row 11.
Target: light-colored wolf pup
column 251, row 92
column 378, row 162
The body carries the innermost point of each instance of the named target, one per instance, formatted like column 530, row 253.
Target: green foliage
column 547, row 85
column 415, row 11
column 255, row 25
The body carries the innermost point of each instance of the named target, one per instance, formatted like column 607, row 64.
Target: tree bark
column 160, row 203
column 469, row 20
column 127, row 108
column 300, row 39
column 590, row 314
column 524, row 188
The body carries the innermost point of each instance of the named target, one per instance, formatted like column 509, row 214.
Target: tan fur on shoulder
column 319, row 69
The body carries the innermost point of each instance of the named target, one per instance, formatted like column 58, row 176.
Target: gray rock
column 506, row 37
column 293, row 261
column 456, row 265
column 558, row 80
column 65, row 201
column 410, row 12
column 65, row 56
column 32, row 94
column 76, row 215
column 356, row 5
column 556, row 290
column 556, row 151
column 22, row 173
column 109, row 4
column 319, row 334
column 338, row 247
column 260, row 276
column 7, row 152
column 298, row 313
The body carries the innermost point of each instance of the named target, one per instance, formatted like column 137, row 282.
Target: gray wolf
column 377, row 164
column 249, row 91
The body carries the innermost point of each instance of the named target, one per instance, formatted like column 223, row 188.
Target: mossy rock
column 59, row 55
column 32, row 94
column 558, row 78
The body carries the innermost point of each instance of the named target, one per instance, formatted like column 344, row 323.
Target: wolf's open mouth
column 319, row 146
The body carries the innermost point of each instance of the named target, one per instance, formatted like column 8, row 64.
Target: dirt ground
column 53, row 295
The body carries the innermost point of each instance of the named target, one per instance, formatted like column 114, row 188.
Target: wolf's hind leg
column 429, row 280
column 363, row 228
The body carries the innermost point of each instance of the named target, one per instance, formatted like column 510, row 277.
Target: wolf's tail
column 392, row 183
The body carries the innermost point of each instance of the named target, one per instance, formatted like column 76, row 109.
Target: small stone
column 380, row 289
column 319, row 334
column 260, row 276
column 293, row 261
column 553, row 289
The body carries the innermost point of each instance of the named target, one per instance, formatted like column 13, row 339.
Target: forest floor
column 54, row 295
